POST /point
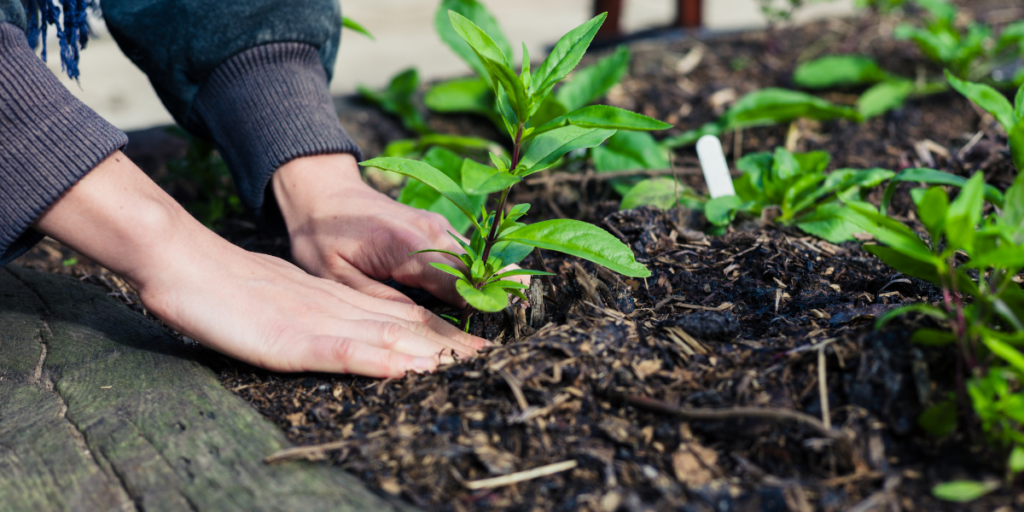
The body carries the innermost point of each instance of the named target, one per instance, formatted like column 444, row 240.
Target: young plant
column 1009, row 115
column 498, row 239
column 797, row 186
column 765, row 108
column 983, row 305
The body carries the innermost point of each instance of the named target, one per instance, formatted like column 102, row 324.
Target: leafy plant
column 982, row 304
column 1009, row 115
column 355, row 26
column 969, row 54
column 887, row 91
column 397, row 99
column 765, row 108
column 498, row 239
column 797, row 186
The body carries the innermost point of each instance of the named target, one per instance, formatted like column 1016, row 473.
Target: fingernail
column 486, row 344
column 424, row 364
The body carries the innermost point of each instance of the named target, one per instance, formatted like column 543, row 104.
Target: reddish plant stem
column 492, row 235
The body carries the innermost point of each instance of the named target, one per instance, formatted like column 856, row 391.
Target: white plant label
column 716, row 170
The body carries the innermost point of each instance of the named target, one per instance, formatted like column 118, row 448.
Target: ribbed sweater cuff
column 48, row 141
column 266, row 106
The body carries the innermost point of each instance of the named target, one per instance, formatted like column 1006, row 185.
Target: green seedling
column 397, row 99
column 982, row 304
column 355, row 26
column 886, row 91
column 498, row 239
column 766, row 107
column 1009, row 115
column 972, row 54
column 798, row 187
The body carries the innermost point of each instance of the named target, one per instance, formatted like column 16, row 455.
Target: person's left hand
column 341, row 229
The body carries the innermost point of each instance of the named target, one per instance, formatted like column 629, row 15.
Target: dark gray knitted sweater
column 250, row 76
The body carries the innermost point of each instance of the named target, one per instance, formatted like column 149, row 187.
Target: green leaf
column 510, row 253
column 775, row 106
column 906, row 263
column 964, row 214
column 582, row 240
column 721, row 211
column 522, row 272
column 939, row 46
column 932, row 209
column 939, row 420
column 548, row 147
column 690, row 137
column 478, row 14
column 932, row 337
column 1016, row 463
column 1005, row 351
column 592, row 82
column 657, row 192
column 506, row 285
column 565, row 55
column 353, row 25
column 448, row 269
column 1013, row 213
column 431, row 177
column 939, row 9
column 829, row 222
column 478, row 178
column 920, row 307
column 933, row 177
column 473, row 95
column 884, row 97
column 629, row 151
column 494, row 61
column 963, row 491
column 834, row 71
column 989, row 99
column 1016, row 136
column 603, row 116
column 397, row 100
column 488, row 300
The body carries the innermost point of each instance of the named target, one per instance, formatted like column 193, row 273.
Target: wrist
column 119, row 218
column 307, row 185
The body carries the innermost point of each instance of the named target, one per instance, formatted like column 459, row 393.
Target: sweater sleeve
column 250, row 76
column 48, row 141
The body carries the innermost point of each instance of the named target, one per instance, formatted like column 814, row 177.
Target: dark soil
column 703, row 387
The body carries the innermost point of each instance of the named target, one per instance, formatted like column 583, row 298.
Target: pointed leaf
column 657, row 192
column 933, row 177
column 775, row 106
column 989, row 99
column 478, row 14
column 448, row 269
column 353, row 25
column 478, row 178
column 591, row 83
column 884, row 97
column 963, row 491
column 506, row 285
column 488, row 300
column 431, row 177
column 582, row 240
column 472, row 95
column 522, row 272
column 547, row 148
column 566, row 54
column 603, row 116
column 834, row 71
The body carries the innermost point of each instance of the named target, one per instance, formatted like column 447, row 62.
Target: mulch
column 744, row 374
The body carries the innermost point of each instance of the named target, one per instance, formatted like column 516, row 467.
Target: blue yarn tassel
column 73, row 33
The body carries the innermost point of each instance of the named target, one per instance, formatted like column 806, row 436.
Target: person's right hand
column 256, row 308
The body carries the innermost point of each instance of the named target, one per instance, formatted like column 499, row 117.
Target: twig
column 560, row 177
column 517, row 389
column 826, row 416
column 305, row 452
column 514, row 478
column 731, row 413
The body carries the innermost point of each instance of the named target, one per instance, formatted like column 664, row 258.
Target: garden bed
column 711, row 384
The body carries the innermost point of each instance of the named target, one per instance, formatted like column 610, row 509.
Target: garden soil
column 745, row 374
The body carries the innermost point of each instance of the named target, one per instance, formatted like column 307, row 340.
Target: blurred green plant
column 796, row 186
column 204, row 176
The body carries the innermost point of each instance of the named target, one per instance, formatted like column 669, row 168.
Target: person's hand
column 342, row 229
column 256, row 308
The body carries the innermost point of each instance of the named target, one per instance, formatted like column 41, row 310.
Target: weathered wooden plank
column 159, row 427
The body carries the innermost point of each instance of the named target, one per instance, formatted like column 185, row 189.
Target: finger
column 352, row 277
column 346, row 355
column 418, row 272
column 421, row 315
